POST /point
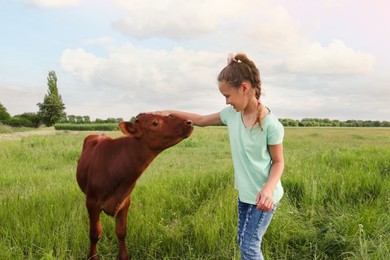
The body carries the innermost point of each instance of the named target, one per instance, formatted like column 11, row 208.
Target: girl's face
column 234, row 96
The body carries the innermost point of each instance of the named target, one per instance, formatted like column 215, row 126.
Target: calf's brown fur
column 108, row 169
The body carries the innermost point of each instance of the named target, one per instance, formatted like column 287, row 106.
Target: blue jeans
column 252, row 224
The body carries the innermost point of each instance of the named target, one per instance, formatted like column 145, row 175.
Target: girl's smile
column 233, row 96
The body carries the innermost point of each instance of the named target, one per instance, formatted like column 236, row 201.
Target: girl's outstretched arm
column 198, row 120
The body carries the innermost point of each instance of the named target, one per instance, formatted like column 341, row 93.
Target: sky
column 117, row 58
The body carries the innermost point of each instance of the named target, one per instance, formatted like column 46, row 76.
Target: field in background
column 337, row 202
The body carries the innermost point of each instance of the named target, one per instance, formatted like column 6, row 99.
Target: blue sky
column 324, row 59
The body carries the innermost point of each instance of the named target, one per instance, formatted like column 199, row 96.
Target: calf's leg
column 120, row 229
column 95, row 227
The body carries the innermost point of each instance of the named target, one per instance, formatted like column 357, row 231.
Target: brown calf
column 108, row 168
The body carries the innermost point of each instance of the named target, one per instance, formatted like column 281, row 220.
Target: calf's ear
column 128, row 128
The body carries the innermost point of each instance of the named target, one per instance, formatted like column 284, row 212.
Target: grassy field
column 337, row 202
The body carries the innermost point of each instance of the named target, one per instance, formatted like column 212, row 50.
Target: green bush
column 18, row 122
column 32, row 117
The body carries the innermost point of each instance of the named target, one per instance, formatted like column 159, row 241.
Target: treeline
column 72, row 119
column 87, row 127
column 84, row 123
column 34, row 120
column 317, row 122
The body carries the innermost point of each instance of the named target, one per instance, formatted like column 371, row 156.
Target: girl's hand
column 162, row 113
column 265, row 200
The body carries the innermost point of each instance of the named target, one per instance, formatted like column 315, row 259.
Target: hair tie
column 231, row 58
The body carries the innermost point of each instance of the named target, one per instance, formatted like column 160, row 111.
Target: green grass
column 336, row 203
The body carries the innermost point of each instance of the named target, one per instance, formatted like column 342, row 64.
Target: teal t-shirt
column 251, row 157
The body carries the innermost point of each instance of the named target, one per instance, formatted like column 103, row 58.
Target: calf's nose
column 189, row 122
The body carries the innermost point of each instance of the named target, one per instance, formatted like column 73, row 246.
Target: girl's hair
column 238, row 70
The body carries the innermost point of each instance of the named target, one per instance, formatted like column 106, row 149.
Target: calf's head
column 156, row 131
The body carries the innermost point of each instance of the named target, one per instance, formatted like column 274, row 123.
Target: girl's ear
column 245, row 87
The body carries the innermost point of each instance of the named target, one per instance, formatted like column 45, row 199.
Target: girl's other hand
column 265, row 200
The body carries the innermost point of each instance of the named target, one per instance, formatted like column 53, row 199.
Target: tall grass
column 336, row 205
column 337, row 184
column 5, row 129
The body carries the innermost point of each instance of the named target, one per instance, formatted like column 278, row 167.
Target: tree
column 79, row 120
column 52, row 109
column 87, row 119
column 71, row 119
column 4, row 115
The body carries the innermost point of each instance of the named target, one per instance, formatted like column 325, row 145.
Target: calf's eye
column 155, row 123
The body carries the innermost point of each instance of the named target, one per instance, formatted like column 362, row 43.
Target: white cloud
column 237, row 25
column 270, row 29
column 153, row 78
column 177, row 19
column 141, row 67
column 336, row 59
column 80, row 63
column 52, row 3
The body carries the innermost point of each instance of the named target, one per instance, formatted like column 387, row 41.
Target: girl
column 256, row 138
